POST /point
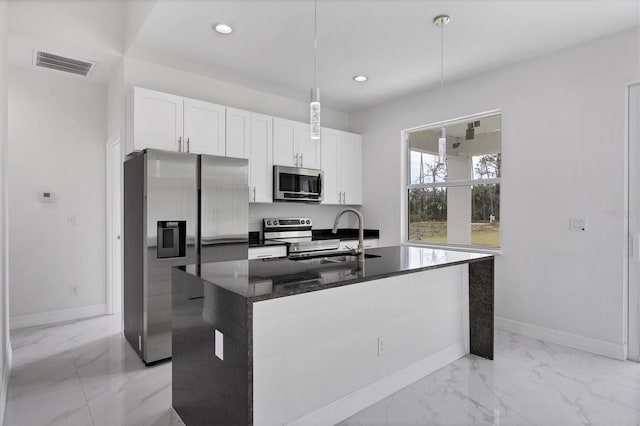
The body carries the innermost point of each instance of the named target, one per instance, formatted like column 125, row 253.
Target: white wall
column 157, row 77
column 5, row 344
column 57, row 134
column 563, row 155
column 115, row 99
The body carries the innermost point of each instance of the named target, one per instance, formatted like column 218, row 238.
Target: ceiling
column 81, row 29
column 392, row 41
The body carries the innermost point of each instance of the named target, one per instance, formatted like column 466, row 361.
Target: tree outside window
column 456, row 203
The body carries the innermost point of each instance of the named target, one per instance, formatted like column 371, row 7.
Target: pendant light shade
column 442, row 146
column 314, row 105
column 440, row 21
column 314, row 109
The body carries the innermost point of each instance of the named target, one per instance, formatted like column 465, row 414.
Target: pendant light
column 314, row 106
column 440, row 21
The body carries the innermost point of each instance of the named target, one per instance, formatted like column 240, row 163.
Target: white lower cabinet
column 341, row 154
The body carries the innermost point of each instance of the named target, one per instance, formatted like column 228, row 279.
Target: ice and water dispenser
column 172, row 238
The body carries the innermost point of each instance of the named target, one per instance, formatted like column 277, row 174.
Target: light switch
column 218, row 345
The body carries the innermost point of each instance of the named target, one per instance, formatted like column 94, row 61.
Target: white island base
column 322, row 356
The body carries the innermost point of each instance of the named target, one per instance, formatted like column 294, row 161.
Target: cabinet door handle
column 301, row 161
column 254, row 194
column 179, row 143
column 264, row 256
column 188, row 145
column 344, row 197
column 296, row 160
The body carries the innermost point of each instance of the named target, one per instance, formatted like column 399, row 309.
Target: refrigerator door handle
column 179, row 143
column 188, row 145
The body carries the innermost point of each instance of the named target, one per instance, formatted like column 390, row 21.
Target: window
column 456, row 203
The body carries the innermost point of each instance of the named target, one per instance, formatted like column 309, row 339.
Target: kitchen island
column 314, row 341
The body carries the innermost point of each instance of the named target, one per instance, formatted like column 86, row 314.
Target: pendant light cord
column 315, row 43
column 442, row 75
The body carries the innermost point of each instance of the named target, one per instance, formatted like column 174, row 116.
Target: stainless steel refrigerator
column 179, row 209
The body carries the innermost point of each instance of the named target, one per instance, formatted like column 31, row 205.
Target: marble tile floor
column 530, row 382
column 85, row 373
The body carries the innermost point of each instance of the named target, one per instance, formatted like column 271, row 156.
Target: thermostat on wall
column 46, row 196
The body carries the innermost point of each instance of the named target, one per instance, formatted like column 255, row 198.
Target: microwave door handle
column 320, row 185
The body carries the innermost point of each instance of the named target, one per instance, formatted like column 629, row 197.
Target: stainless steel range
column 296, row 232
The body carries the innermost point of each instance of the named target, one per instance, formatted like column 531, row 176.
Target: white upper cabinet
column 157, row 120
column 238, row 133
column 204, row 127
column 350, row 160
column 261, row 159
column 309, row 149
column 175, row 123
column 330, row 167
column 292, row 145
column 342, row 167
column 284, row 143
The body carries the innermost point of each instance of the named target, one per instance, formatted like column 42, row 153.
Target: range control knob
column 301, row 222
column 275, row 222
column 269, row 222
column 308, row 222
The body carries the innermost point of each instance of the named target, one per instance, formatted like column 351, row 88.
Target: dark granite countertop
column 258, row 280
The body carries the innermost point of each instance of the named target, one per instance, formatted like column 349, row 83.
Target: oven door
column 296, row 184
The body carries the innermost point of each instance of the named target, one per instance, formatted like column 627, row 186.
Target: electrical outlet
column 380, row 346
column 218, row 344
column 577, row 224
column 73, row 290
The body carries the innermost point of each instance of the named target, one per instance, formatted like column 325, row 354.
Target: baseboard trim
column 6, row 372
column 29, row 320
column 349, row 405
column 575, row 341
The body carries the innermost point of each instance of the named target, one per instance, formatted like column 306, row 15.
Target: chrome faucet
column 360, row 250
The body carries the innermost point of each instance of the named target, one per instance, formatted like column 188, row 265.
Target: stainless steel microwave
column 297, row 184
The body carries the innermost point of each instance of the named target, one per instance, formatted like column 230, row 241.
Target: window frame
column 407, row 186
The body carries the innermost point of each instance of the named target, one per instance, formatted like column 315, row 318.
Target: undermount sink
column 327, row 260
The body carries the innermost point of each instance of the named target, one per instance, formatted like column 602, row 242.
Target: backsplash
column 322, row 216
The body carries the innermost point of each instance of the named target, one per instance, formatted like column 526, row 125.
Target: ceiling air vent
column 60, row 63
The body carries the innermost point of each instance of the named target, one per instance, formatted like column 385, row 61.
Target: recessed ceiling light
column 360, row 78
column 223, row 28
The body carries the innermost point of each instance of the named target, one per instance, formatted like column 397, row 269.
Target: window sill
column 475, row 249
